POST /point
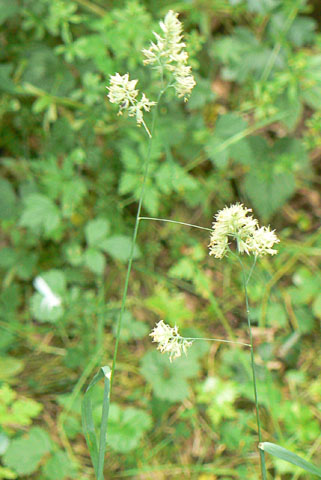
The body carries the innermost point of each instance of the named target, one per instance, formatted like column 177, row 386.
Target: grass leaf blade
column 97, row 455
column 289, row 457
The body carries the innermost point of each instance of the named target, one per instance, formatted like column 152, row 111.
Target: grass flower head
column 169, row 53
column 262, row 241
column 235, row 223
column 169, row 340
column 123, row 92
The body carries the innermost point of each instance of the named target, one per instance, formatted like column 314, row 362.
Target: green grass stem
column 245, row 283
column 175, row 221
column 217, row 340
column 131, row 255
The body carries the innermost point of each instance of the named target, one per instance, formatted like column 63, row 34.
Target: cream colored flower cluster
column 168, row 52
column 234, row 223
column 123, row 92
column 169, row 340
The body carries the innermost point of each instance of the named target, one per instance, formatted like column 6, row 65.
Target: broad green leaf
column 44, row 69
column 169, row 379
column 169, row 305
column 270, row 181
column 8, row 257
column 128, row 182
column 126, row 427
column 130, row 328
column 72, row 194
column 152, row 199
column 302, row 31
column 59, row 467
column 95, row 260
column 23, row 410
column 74, row 254
column 7, row 200
column 10, row 367
column 118, row 247
column 268, row 194
column 289, row 457
column 96, row 231
column 228, row 141
column 40, row 212
column 243, row 56
column 262, row 7
column 25, row 454
column 171, row 177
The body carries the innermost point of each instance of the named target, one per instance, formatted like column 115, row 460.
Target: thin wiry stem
column 245, row 283
column 217, row 340
column 174, row 221
column 131, row 255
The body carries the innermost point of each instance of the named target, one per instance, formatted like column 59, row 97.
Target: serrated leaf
column 289, row 457
column 302, row 31
column 118, row 247
column 228, row 140
column 128, row 182
column 126, row 427
column 152, row 199
column 24, row 454
column 271, row 181
column 44, row 69
column 24, row 410
column 72, row 194
column 268, row 194
column 40, row 212
column 243, row 55
column 172, row 177
column 96, row 231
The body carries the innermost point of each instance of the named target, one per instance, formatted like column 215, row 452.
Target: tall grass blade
column 97, row 452
column 289, row 457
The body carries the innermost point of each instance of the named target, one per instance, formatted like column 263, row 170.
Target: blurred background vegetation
column 70, row 177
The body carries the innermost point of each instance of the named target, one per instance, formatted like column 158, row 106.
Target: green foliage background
column 71, row 176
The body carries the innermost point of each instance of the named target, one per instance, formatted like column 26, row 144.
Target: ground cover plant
column 72, row 173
